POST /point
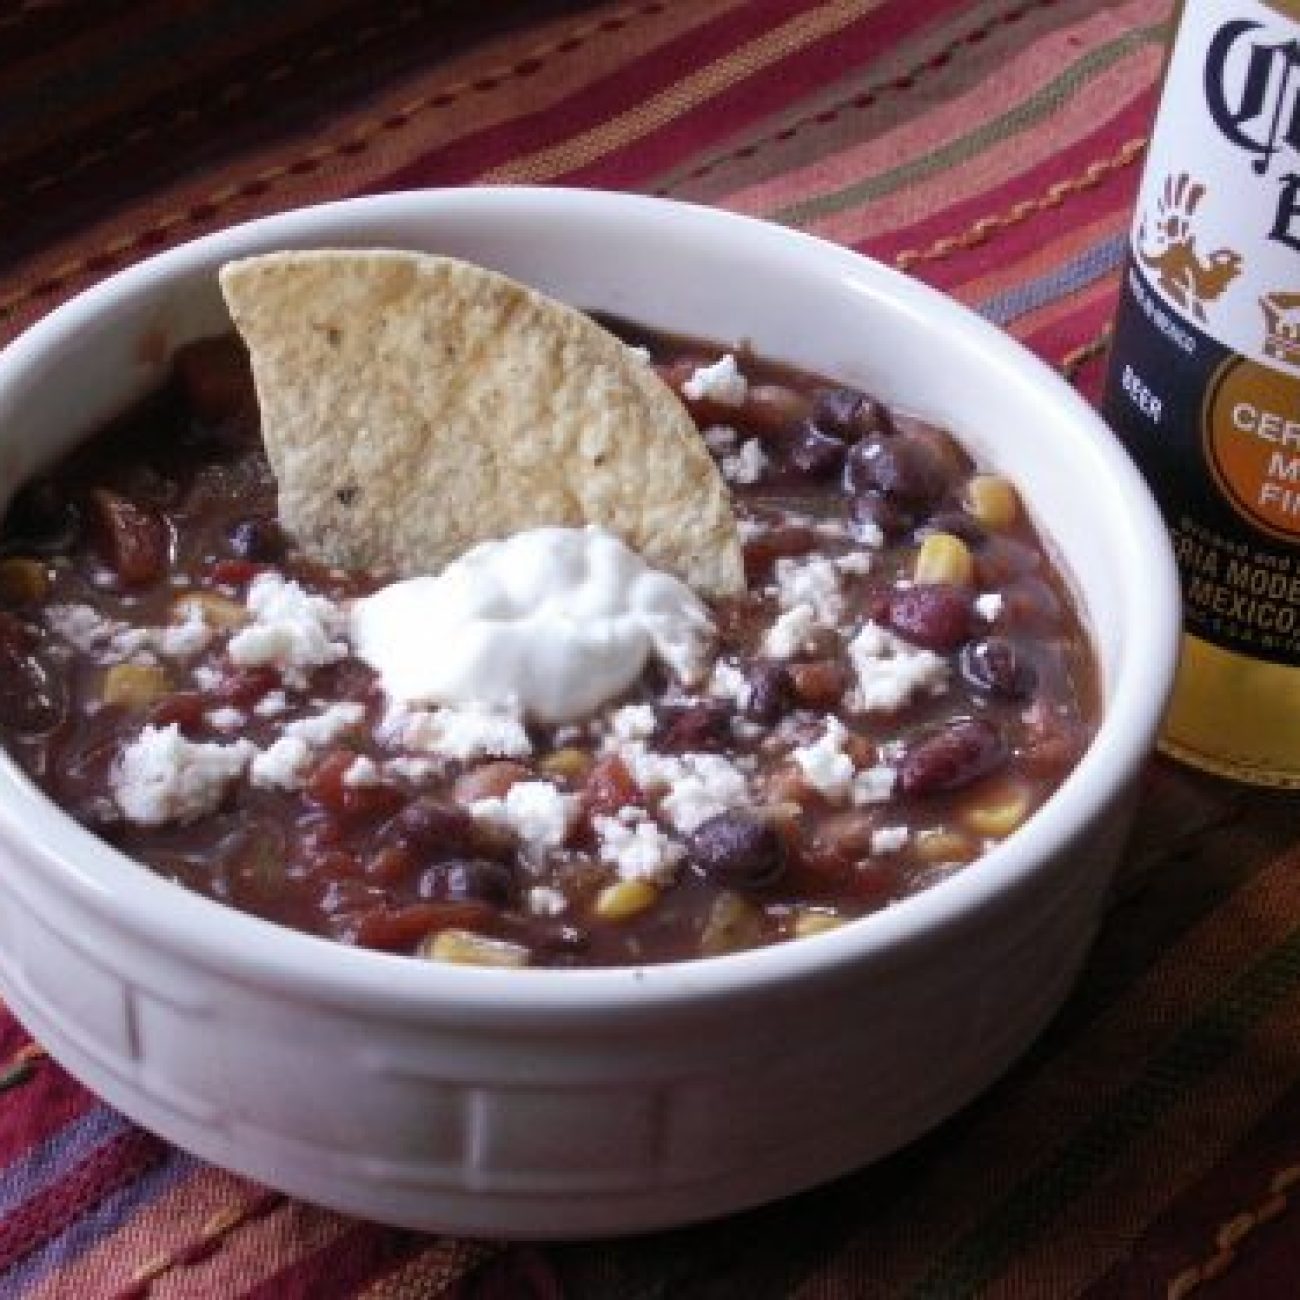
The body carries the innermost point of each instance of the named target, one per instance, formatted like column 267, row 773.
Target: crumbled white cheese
column 856, row 562
column 747, row 464
column 889, row 839
column 362, row 772
column 868, row 532
column 464, row 732
column 727, row 682
column 103, row 640
column 271, row 704
column 282, row 765
column 789, row 635
column 414, row 770
column 988, row 605
column 161, row 777
column 824, row 764
column 633, row 722
column 637, row 848
column 327, row 726
column 890, row 671
column 546, row 900
column 722, row 382
column 720, row 438
column 226, row 719
column 191, row 636
column 290, row 629
column 696, row 786
column 813, row 581
column 874, row 784
column 535, row 811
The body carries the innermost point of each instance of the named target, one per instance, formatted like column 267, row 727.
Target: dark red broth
column 918, row 717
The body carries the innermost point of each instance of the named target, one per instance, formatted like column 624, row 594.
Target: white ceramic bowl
column 573, row 1103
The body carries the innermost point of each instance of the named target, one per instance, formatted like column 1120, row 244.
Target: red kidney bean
column 328, row 786
column 774, row 408
column 935, row 615
column 133, row 540
column 702, row 726
column 819, row 683
column 997, row 668
column 738, row 849
column 400, row 929
column 186, row 709
column 609, row 787
column 951, row 757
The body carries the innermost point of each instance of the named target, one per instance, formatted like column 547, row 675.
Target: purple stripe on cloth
column 90, row 1229
column 47, row 1162
column 1095, row 263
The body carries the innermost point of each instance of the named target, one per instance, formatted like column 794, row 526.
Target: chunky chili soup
column 904, row 683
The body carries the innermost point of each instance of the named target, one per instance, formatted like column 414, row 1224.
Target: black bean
column 41, row 520
column 935, row 615
column 258, row 539
column 875, row 508
column 850, row 414
column 816, row 454
column 33, row 700
column 739, row 849
column 951, row 757
column 771, row 691
column 467, row 880
column 902, row 469
column 996, row 667
column 435, row 828
column 959, row 524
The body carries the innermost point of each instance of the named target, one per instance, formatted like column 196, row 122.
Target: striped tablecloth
column 1149, row 1145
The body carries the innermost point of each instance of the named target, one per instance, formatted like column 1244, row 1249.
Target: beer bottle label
column 1204, row 382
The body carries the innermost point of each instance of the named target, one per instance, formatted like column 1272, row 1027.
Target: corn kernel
column 625, row 898
column 568, row 764
column 993, row 500
column 23, row 581
column 1000, row 813
column 466, row 948
column 217, row 611
column 733, row 923
column 941, row 846
column 134, row 686
column 809, row 920
column 944, row 558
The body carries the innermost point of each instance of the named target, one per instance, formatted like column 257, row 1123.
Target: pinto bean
column 934, row 615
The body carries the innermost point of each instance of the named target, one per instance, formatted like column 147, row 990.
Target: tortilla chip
column 413, row 405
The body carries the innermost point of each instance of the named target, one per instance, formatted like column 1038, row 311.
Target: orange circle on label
column 1252, row 441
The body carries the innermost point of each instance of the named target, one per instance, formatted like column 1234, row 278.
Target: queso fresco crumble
column 903, row 684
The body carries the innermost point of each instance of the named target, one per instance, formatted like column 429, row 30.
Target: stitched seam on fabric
column 187, row 116
column 429, row 1273
column 526, row 65
column 1075, row 360
column 1232, row 1233
column 212, row 1236
column 360, row 138
column 1027, row 112
column 982, row 229
column 21, row 1066
column 908, row 80
column 691, row 91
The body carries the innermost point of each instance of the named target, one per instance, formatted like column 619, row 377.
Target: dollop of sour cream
column 552, row 621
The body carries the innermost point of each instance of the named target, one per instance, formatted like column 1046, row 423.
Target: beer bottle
column 1203, row 384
